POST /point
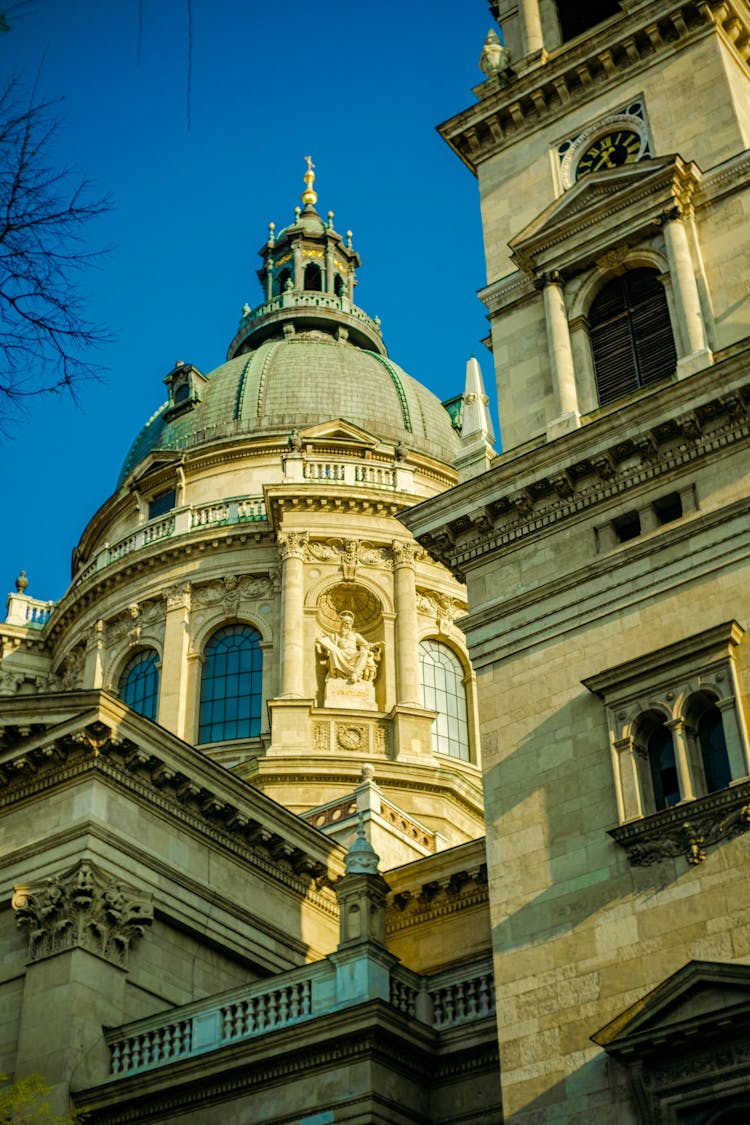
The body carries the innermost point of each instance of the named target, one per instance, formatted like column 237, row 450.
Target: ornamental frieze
column 82, row 908
column 228, row 592
column 349, row 554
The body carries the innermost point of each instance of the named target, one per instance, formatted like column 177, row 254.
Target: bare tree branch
column 45, row 336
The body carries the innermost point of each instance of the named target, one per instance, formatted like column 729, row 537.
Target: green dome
column 301, row 380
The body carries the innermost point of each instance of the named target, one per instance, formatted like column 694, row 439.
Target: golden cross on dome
column 309, row 195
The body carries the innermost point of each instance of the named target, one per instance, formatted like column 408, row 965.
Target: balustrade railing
column 445, row 1000
column 31, row 612
column 237, row 510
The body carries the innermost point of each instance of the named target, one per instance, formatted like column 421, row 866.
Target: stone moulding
column 688, row 829
column 84, row 908
column 506, row 113
column 657, row 449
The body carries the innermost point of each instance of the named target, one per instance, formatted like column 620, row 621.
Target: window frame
column 246, row 726
column 130, row 665
column 444, row 721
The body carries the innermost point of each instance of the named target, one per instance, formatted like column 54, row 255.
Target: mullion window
column 230, row 705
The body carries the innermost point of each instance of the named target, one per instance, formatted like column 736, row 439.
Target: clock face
column 620, row 146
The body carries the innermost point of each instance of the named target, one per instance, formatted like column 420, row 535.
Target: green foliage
column 26, row 1102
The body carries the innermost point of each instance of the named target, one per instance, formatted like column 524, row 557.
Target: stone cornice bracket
column 292, row 544
column 83, row 908
column 686, row 830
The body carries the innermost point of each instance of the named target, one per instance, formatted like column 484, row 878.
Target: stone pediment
column 702, row 997
column 338, row 429
column 150, row 464
column 604, row 209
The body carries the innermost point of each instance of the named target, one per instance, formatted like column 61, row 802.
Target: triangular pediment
column 692, row 1000
column 338, row 429
column 152, row 463
column 602, row 209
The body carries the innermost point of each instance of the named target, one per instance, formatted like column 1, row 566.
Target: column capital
column 85, row 908
column 178, row 596
column 405, row 554
column 549, row 277
column 292, row 544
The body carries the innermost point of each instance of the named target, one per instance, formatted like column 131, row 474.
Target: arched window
column 441, row 676
column 182, row 394
column 284, row 277
column 631, row 334
column 231, row 685
column 313, row 278
column 577, row 16
column 139, row 683
column 713, row 749
column 661, row 761
column 339, row 288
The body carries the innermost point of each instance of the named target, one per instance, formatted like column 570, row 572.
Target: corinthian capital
column 292, row 544
column 82, row 908
column 406, row 554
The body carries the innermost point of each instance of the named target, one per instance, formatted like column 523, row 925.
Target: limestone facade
column 605, row 553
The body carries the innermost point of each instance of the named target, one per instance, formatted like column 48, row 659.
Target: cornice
column 192, row 790
column 672, row 427
column 509, row 110
column 461, row 890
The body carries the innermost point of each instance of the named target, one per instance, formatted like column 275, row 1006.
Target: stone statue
column 294, row 440
column 347, row 654
column 494, row 59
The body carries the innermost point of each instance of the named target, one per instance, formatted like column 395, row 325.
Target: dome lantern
column 308, row 275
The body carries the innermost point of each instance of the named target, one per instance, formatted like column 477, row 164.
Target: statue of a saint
column 347, row 654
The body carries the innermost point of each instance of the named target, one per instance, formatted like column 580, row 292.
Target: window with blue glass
column 231, row 685
column 139, row 683
column 441, row 677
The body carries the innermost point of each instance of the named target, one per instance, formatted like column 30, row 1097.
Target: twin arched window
column 441, row 677
column 631, row 334
column 707, row 753
column 231, row 685
column 139, row 683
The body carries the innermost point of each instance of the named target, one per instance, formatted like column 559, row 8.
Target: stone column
column 686, row 297
column 405, row 557
column 679, row 740
column 560, row 355
column 292, row 548
column 94, row 670
column 630, row 783
column 531, row 26
column 172, row 712
column 738, row 764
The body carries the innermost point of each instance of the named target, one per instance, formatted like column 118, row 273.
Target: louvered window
column 631, row 334
column 577, row 16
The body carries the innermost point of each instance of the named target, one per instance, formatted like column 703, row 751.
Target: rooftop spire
column 309, row 195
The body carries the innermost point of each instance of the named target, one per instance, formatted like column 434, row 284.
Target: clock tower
column 606, row 553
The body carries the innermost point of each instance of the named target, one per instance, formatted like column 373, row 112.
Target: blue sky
column 359, row 86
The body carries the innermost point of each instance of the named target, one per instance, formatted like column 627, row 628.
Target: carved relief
column 671, row 833
column 322, row 737
column 131, row 622
column 71, row 671
column 443, row 608
column 352, row 738
column 85, row 908
column 349, row 553
column 230, row 591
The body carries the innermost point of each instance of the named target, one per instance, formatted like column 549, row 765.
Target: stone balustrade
column 30, row 612
column 180, row 521
column 457, row 996
column 355, row 474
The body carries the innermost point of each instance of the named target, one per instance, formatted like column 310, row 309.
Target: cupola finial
column 309, row 195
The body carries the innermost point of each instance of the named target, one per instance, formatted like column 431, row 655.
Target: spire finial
column 309, row 195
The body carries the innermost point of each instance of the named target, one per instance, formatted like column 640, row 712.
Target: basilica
column 372, row 770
